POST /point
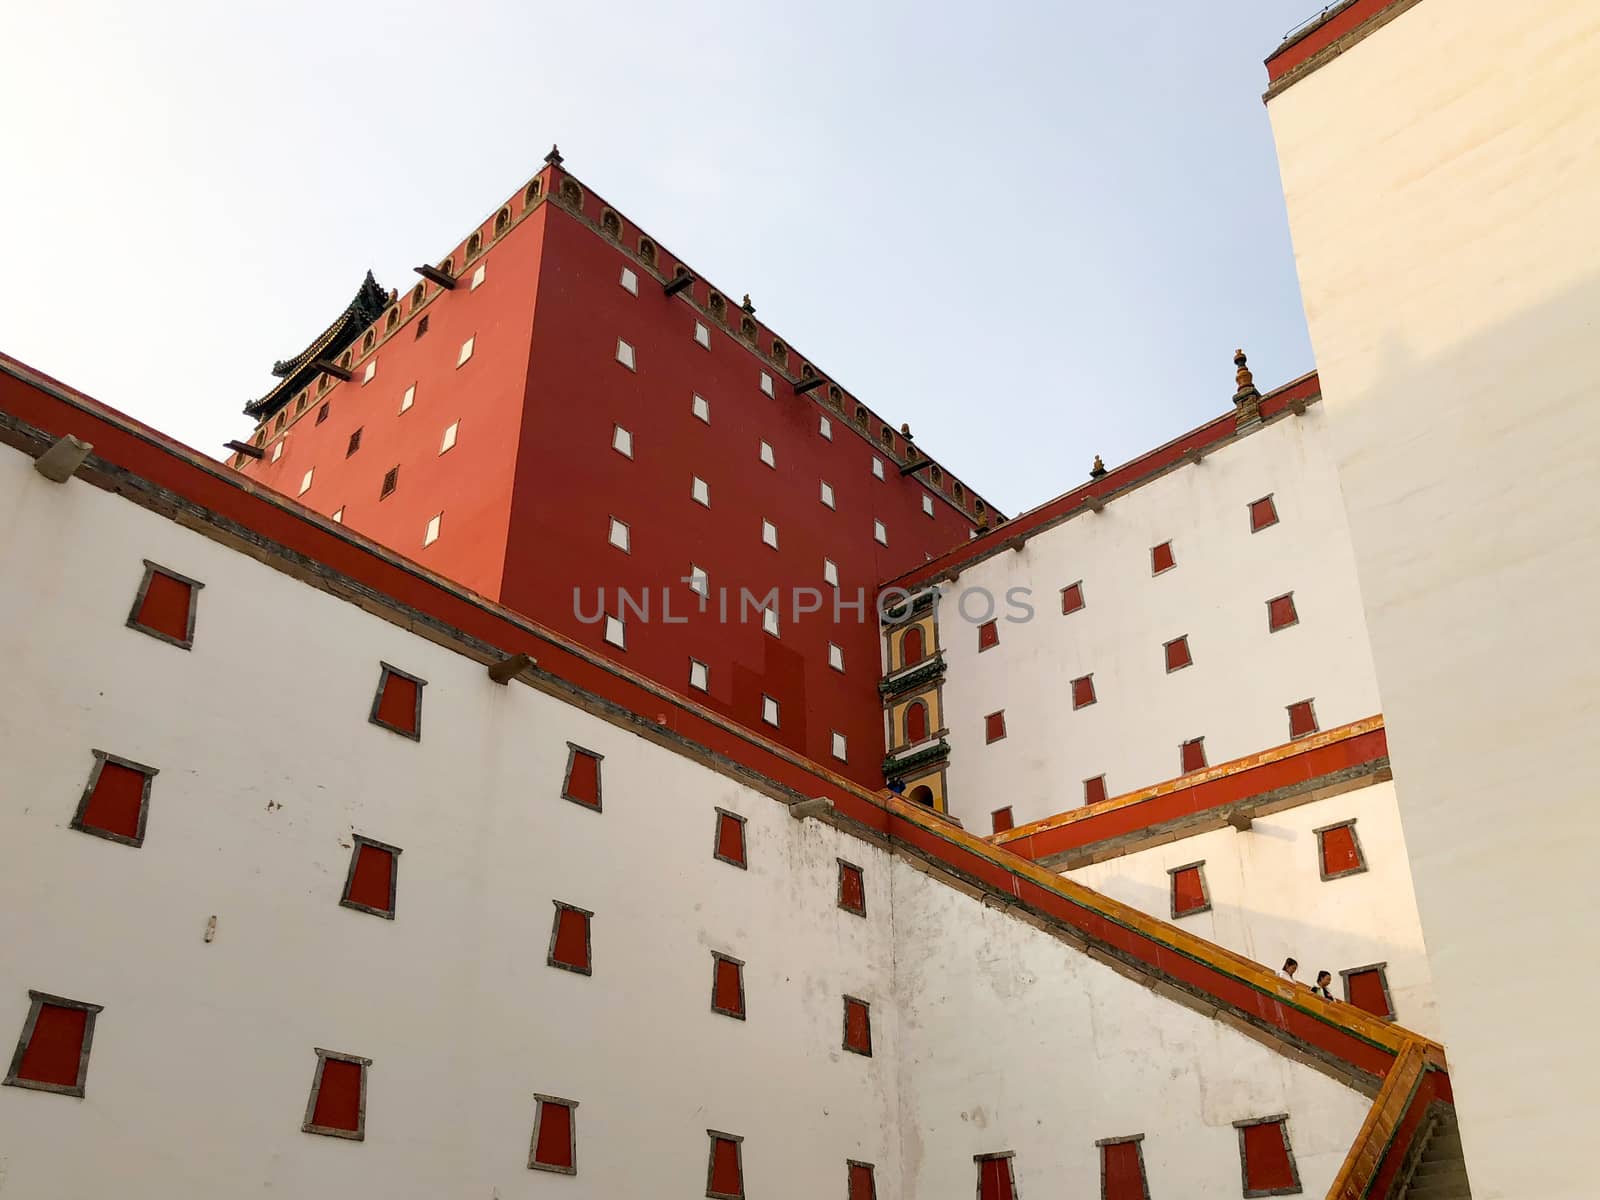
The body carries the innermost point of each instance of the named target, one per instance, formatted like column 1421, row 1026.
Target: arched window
column 571, row 193
column 780, row 353
column 886, row 436
column 532, row 193
column 937, row 476
column 448, row 266
column 392, row 320
column 345, row 360
column 978, row 507
column 748, row 328
column 922, row 794
column 502, row 221
column 916, row 722
column 718, row 306
column 861, row 415
column 611, row 225
column 369, row 341
column 647, row 251
column 418, row 295
column 300, row 402
column 835, row 397
column 960, row 493
column 474, row 246
column 260, row 438
column 283, row 419
column 911, row 649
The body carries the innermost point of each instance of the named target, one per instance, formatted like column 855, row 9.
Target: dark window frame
column 744, row 842
column 861, row 876
column 377, row 699
column 359, row 840
column 1172, row 890
column 718, row 957
column 1382, row 968
column 540, row 1100
column 588, row 939
column 37, row 1001
column 845, row 1038
column 1138, row 1140
column 1282, row 1121
column 150, row 570
column 573, row 750
column 1355, row 838
column 359, row 1133
column 711, row 1162
column 101, row 758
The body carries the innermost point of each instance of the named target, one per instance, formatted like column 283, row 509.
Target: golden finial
column 905, row 432
column 554, row 157
column 1098, row 469
column 747, row 306
column 1242, row 378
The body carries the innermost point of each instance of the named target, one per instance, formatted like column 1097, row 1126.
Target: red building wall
column 529, row 489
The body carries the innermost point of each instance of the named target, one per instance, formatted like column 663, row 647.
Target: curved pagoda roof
column 299, row 370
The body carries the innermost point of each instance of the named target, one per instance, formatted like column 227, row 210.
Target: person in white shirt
column 1290, row 966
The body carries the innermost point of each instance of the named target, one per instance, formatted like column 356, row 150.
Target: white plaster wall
column 203, row 1057
column 1442, row 179
column 1243, row 678
column 1012, row 1040
column 1269, row 901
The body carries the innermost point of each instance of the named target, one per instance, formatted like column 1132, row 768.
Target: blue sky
column 1035, row 233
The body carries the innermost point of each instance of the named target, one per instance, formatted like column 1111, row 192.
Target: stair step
column 1431, row 1166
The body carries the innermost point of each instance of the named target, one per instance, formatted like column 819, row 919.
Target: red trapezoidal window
column 165, row 605
column 1368, row 988
column 1072, row 597
column 995, row 1180
column 1177, row 652
column 1263, row 512
column 1122, row 1170
column 1094, row 790
column 724, row 1170
column 52, row 1052
column 555, row 1136
column 916, row 722
column 1265, row 1158
column 852, row 889
column 1339, row 853
column 862, row 1185
column 338, row 1104
column 116, row 800
column 857, row 1026
column 370, row 884
column 570, row 947
column 988, row 635
column 1002, row 820
column 994, row 726
column 911, row 650
column 1083, row 691
column 729, row 847
column 397, row 705
column 582, row 781
column 1302, row 719
column 1192, row 754
column 1161, row 558
column 727, row 985
column 1281, row 613
column 1189, row 890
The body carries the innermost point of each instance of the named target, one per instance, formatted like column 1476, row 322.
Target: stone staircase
column 1441, row 1171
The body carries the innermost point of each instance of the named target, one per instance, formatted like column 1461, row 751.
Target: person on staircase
column 1290, row 966
column 1324, row 978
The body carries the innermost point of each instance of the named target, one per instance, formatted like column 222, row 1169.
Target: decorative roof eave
column 296, row 372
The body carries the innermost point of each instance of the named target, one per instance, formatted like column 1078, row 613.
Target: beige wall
column 1443, row 184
